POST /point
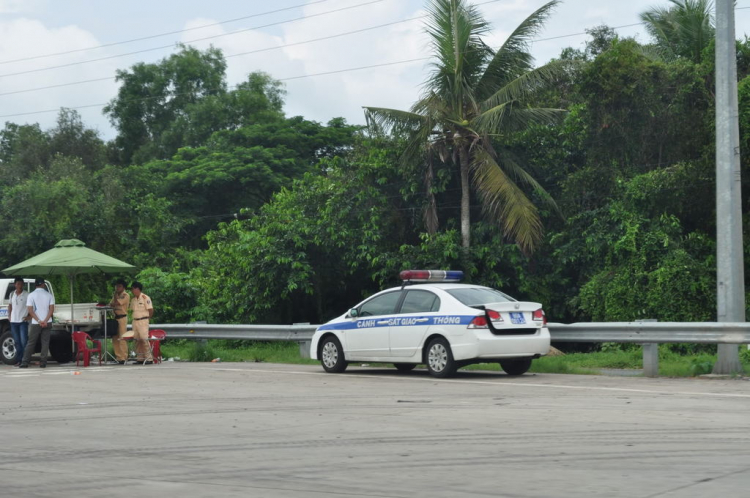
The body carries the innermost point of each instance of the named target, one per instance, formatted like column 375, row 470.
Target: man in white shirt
column 19, row 318
column 41, row 305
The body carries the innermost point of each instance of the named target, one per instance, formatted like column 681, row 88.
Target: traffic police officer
column 143, row 310
column 120, row 304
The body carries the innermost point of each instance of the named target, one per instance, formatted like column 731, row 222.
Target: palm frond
column 504, row 202
column 528, row 84
column 683, row 30
column 511, row 117
column 455, row 29
column 393, row 120
column 512, row 165
column 513, row 57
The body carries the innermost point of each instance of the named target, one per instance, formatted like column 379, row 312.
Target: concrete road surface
column 265, row 430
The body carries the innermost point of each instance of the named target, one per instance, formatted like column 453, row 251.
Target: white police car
column 442, row 324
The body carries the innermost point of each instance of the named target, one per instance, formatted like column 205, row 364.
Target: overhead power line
column 266, row 49
column 159, row 35
column 78, row 63
column 235, row 87
column 291, row 77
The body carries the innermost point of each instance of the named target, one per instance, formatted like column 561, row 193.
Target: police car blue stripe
column 399, row 321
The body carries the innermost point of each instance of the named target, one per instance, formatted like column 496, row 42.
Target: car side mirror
column 353, row 313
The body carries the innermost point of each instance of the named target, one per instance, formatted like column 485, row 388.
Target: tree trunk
column 463, row 155
column 430, row 212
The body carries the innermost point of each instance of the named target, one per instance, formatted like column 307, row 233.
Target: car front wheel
column 440, row 362
column 518, row 366
column 332, row 356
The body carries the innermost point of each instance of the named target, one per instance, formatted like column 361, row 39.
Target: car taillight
column 480, row 322
column 539, row 316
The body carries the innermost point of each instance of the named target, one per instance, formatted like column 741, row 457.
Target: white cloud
column 20, row 6
column 32, row 38
column 344, row 94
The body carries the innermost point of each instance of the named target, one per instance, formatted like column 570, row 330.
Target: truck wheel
column 60, row 348
column 8, row 347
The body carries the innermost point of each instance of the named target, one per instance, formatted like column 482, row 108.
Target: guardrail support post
column 304, row 349
column 651, row 359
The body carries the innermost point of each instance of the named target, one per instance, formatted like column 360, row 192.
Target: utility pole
column 730, row 272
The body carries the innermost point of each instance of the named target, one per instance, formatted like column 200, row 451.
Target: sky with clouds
column 32, row 31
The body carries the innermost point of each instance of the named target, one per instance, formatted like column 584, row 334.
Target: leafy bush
column 700, row 367
column 201, row 352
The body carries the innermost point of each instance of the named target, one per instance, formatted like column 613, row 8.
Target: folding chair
column 154, row 339
column 83, row 351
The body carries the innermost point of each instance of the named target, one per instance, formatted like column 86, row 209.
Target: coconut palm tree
column 683, row 30
column 473, row 96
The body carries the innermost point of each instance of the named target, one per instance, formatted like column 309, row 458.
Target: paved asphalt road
column 265, row 430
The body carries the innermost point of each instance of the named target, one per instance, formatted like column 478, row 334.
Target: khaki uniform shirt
column 121, row 303
column 140, row 306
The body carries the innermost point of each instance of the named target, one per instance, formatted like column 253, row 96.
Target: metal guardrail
column 652, row 332
column 294, row 333
column 625, row 332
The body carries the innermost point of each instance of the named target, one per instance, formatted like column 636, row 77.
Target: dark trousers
column 20, row 333
column 35, row 331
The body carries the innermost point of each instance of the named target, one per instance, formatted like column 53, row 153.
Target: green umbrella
column 69, row 257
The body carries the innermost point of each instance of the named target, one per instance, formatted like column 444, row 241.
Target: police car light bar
column 432, row 275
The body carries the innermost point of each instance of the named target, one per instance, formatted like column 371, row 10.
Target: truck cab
column 86, row 317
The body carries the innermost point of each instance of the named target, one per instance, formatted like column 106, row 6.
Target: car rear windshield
column 476, row 296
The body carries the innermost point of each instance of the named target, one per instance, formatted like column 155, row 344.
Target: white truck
column 87, row 317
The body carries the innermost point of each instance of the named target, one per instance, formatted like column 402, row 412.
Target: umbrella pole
column 72, row 316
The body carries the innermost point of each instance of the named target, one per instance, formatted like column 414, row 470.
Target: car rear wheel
column 332, row 356
column 404, row 367
column 518, row 366
column 440, row 362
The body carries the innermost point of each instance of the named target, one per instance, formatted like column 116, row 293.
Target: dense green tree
column 73, row 139
column 240, row 169
column 24, row 149
column 181, row 101
column 313, row 247
column 152, row 96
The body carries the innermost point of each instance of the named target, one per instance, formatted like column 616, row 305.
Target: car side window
column 420, row 301
column 384, row 304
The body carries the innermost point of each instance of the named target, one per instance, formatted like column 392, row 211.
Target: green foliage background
column 235, row 212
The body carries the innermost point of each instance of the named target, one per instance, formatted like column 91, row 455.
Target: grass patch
column 234, row 351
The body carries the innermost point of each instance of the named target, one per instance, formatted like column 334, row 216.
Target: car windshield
column 477, row 296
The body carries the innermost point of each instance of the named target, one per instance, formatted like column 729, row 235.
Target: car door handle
column 382, row 322
column 420, row 320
